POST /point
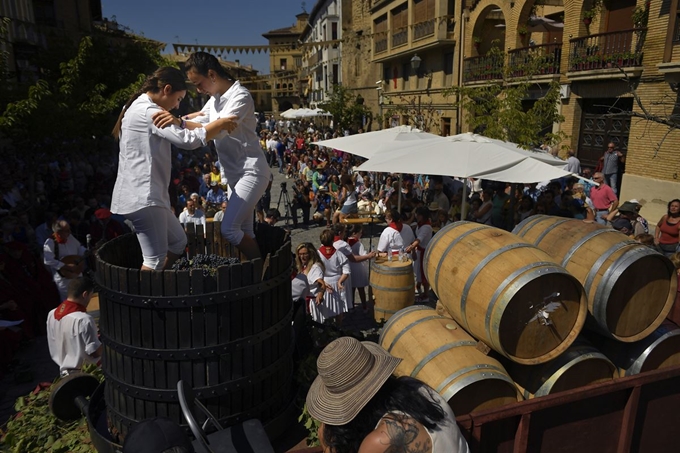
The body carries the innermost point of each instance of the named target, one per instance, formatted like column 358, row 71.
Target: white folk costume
column 334, row 302
column 424, row 235
column 359, row 270
column 344, row 248
column 395, row 236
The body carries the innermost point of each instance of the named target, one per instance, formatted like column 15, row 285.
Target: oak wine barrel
column 505, row 292
column 580, row 365
column 630, row 287
column 226, row 333
column 393, row 286
column 659, row 350
column 437, row 351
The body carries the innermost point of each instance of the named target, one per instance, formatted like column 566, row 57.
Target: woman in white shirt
column 141, row 190
column 241, row 158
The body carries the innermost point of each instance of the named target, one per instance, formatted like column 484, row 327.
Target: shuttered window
column 423, row 10
column 399, row 18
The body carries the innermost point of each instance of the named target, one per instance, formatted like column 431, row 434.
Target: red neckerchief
column 351, row 241
column 327, row 251
column 337, row 238
column 59, row 239
column 424, row 223
column 396, row 226
column 66, row 308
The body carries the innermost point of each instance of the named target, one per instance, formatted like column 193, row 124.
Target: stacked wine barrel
column 557, row 305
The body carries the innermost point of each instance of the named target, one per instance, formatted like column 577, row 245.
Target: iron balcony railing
column 423, row 29
column 483, row 68
column 613, row 49
column 543, row 59
column 400, row 37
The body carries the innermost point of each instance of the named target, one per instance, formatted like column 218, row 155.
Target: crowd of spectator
column 47, row 201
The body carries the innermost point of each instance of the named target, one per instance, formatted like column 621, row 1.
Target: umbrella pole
column 400, row 194
column 463, row 205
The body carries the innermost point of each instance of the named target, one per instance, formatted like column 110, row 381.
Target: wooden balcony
column 423, row 29
column 400, row 38
column 482, row 68
column 538, row 60
column 606, row 51
column 380, row 45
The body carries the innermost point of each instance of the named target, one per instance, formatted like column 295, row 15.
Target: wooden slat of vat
column 209, row 238
column 148, row 377
column 190, row 229
column 248, row 324
column 200, row 240
column 134, row 368
column 212, row 321
column 217, row 239
column 128, row 280
column 198, row 329
column 172, row 341
column 158, row 325
column 258, row 306
column 224, row 310
column 236, row 323
column 184, row 327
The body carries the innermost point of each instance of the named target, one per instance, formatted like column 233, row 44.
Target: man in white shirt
column 192, row 215
column 72, row 333
column 573, row 164
column 61, row 252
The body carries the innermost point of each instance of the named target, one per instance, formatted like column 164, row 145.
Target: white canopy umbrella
column 369, row 143
column 541, row 155
column 470, row 156
column 289, row 114
column 321, row 112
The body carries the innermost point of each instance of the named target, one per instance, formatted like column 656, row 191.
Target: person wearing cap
column 364, row 408
column 215, row 197
column 640, row 219
column 104, row 229
column 72, row 335
column 625, row 219
column 157, row 435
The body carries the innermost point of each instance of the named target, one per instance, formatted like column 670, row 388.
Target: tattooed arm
column 397, row 436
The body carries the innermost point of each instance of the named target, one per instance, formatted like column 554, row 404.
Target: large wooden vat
column 505, row 292
column 228, row 336
column 580, row 365
column 393, row 286
column 659, row 350
column 437, row 351
column 630, row 287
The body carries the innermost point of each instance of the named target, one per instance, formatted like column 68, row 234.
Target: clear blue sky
column 208, row 22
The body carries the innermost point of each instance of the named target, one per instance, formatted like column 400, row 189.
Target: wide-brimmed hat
column 434, row 206
column 350, row 374
column 628, row 207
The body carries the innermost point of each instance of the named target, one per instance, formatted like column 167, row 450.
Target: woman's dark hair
column 397, row 394
column 340, row 230
column 357, row 228
column 202, row 62
column 395, row 215
column 423, row 212
column 154, row 83
column 675, row 200
column 346, row 180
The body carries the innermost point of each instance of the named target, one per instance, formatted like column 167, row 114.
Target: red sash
column 66, row 308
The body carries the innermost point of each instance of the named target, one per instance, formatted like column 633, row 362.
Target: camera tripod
column 283, row 196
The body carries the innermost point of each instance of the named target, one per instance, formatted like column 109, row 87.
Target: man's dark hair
column 274, row 213
column 79, row 285
column 202, row 62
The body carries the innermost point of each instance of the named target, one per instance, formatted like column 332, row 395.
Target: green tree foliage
column 499, row 109
column 347, row 109
column 80, row 91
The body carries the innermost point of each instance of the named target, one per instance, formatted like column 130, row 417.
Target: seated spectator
column 214, row 198
column 219, row 215
column 192, row 215
column 71, row 332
